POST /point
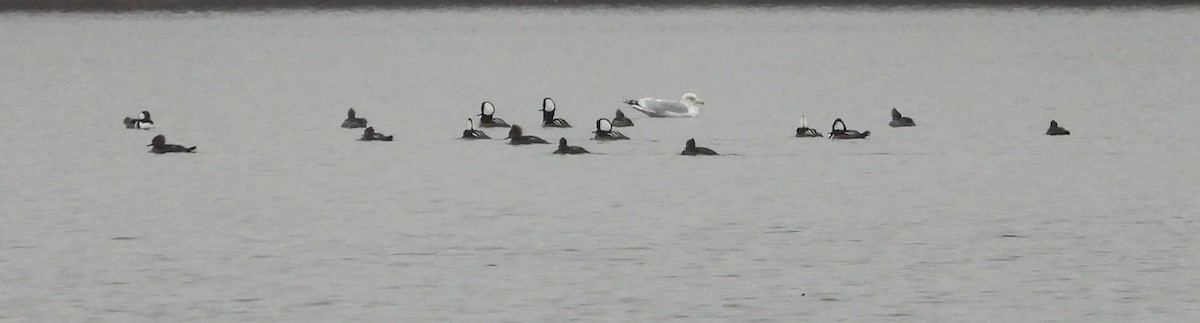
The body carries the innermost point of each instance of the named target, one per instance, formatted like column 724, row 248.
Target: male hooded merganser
column 548, row 120
column 471, row 133
column 846, row 134
column 142, row 122
column 604, row 131
column 805, row 131
column 486, row 118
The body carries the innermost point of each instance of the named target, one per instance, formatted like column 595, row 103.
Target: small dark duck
column 517, row 137
column 1055, row 130
column 352, row 122
column 369, row 134
column 621, row 120
column 901, row 121
column 159, row 146
column 563, row 149
column 690, row 149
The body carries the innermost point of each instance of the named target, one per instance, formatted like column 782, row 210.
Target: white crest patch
column 470, row 124
column 142, row 116
column 605, row 125
column 488, row 109
column 548, row 104
column 803, row 122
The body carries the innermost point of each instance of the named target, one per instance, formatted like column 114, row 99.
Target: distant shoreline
column 238, row 5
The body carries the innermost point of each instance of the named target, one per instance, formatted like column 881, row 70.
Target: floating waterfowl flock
column 687, row 106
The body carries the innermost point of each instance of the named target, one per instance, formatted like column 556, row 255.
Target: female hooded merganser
column 846, row 134
column 486, row 118
column 805, row 131
column 142, row 122
column 159, row 146
column 352, row 122
column 548, row 120
column 690, row 149
column 900, row 121
column 604, row 131
column 369, row 134
column 1055, row 130
column 621, row 120
column 471, row 133
column 563, row 149
column 516, row 137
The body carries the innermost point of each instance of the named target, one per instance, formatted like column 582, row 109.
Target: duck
column 688, row 106
column 548, row 120
column 143, row 121
column 471, row 133
column 159, row 146
column 563, row 149
column 804, row 131
column 369, row 134
column 621, row 120
column 901, row 121
column 690, row 149
column 604, row 131
column 352, row 122
column 846, row 134
column 486, row 118
column 517, row 137
column 1055, row 130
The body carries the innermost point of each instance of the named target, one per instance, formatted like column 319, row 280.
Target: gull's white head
column 548, row 105
column 691, row 98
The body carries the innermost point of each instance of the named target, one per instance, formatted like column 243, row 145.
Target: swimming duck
column 687, row 106
column 471, row 133
column 352, row 122
column 604, row 131
column 1055, row 130
column 159, row 146
column 517, row 137
column 548, row 120
column 846, row 134
column 369, row 134
column 486, row 118
column 900, row 121
column 621, row 120
column 563, row 149
column 690, row 149
column 805, row 131
column 142, row 122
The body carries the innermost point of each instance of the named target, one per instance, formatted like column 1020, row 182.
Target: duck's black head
column 369, row 131
column 1053, row 124
column 562, row 143
column 691, row 144
column 145, row 116
column 158, row 141
column 350, row 113
column 896, row 114
column 620, row 115
column 514, row 132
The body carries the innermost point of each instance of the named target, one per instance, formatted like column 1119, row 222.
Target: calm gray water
column 974, row 215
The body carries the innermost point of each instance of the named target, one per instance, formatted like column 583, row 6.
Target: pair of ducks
column 843, row 133
column 487, row 118
column 158, row 145
column 804, row 131
column 689, row 149
column 369, row 134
